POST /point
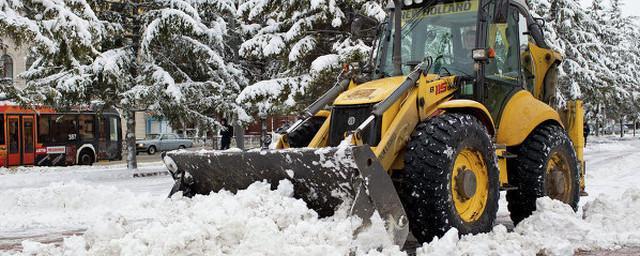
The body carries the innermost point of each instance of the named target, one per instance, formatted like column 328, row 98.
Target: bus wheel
column 182, row 147
column 152, row 150
column 86, row 158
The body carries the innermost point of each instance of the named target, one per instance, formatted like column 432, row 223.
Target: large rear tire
column 546, row 166
column 450, row 178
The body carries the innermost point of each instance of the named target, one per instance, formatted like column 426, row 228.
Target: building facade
column 14, row 60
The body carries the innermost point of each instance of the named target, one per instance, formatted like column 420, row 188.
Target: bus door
column 13, row 140
column 21, row 143
column 28, row 141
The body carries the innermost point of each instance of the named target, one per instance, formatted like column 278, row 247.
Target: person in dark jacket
column 586, row 132
column 226, row 133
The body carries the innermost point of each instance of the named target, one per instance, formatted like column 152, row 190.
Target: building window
column 7, row 66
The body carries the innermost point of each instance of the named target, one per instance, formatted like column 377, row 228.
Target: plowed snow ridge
column 263, row 222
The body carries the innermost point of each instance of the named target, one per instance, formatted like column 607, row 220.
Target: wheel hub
column 557, row 182
column 470, row 184
column 466, row 184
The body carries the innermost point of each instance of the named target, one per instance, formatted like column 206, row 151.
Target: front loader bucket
column 324, row 178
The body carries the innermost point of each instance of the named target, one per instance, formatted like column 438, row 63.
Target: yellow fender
column 471, row 107
column 522, row 114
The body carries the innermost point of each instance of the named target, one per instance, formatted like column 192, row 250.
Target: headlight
column 409, row 2
column 141, row 145
column 171, row 165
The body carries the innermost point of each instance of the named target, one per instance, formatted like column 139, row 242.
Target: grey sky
column 631, row 7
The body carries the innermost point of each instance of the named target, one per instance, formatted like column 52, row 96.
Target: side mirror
column 536, row 28
column 501, row 12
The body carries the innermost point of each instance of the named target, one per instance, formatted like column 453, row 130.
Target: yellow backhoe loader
column 458, row 104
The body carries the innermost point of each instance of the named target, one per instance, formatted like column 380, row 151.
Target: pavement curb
column 150, row 174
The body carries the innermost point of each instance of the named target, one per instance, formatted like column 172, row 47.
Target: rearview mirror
column 501, row 12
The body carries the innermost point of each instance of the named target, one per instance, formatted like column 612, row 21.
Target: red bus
column 45, row 137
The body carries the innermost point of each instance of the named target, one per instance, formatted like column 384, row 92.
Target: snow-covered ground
column 104, row 211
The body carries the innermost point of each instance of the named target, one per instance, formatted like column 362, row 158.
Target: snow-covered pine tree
column 296, row 48
column 66, row 37
column 186, row 63
column 624, row 48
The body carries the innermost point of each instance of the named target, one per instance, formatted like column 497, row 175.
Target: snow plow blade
column 325, row 179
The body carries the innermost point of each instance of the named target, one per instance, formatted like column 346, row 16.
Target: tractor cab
column 494, row 45
column 444, row 31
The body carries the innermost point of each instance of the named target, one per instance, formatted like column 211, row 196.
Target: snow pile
column 554, row 229
column 67, row 206
column 254, row 221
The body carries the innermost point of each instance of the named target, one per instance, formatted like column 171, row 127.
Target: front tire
column 151, row 150
column 546, row 166
column 450, row 178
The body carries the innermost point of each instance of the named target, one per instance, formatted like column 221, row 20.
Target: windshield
column 446, row 32
column 153, row 136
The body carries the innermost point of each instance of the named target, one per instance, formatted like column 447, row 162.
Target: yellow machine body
column 522, row 114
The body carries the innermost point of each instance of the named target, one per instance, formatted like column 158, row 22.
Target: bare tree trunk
column 263, row 132
column 132, row 161
column 213, row 139
column 635, row 127
column 597, row 116
column 621, row 127
column 238, row 132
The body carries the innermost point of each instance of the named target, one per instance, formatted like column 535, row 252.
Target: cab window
column 527, row 66
column 503, row 39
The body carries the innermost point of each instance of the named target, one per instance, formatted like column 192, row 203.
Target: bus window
column 102, row 133
column 64, row 128
column 86, row 128
column 1, row 129
column 113, row 129
column 44, row 130
column 13, row 137
column 28, row 135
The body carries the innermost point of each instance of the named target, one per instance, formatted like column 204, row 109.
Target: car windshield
column 442, row 30
column 153, row 136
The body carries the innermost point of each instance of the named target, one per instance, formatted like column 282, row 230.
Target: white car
column 162, row 142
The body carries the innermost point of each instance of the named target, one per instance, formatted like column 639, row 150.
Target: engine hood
column 372, row 91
